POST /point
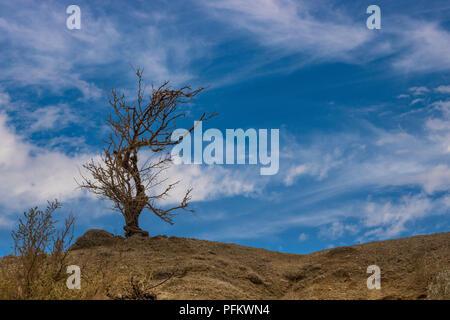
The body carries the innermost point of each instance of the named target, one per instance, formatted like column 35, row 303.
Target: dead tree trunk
column 140, row 200
column 132, row 225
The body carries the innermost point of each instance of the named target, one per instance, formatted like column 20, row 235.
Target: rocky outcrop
column 93, row 238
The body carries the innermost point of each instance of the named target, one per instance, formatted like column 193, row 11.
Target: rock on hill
column 411, row 268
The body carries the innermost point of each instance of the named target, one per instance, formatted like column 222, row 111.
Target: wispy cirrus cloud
column 423, row 47
column 417, row 91
column 293, row 26
column 290, row 31
column 50, row 118
column 387, row 219
column 443, row 89
column 39, row 51
column 321, row 31
column 42, row 53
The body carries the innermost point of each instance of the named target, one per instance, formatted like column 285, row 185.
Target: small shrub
column 41, row 255
column 140, row 287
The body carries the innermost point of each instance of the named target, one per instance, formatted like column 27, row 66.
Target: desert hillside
column 199, row 269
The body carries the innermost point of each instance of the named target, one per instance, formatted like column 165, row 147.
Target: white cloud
column 322, row 32
column 336, row 230
column 424, row 47
column 48, row 53
column 397, row 157
column 45, row 54
column 419, row 90
column 437, row 125
column 261, row 227
column 387, row 220
column 436, row 179
column 4, row 98
column 443, row 89
column 416, row 101
column 295, row 172
column 311, row 161
column 212, row 182
column 443, row 106
column 5, row 222
column 39, row 51
column 31, row 175
column 302, row 237
column 293, row 27
column 51, row 117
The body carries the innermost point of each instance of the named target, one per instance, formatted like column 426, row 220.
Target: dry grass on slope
column 181, row 268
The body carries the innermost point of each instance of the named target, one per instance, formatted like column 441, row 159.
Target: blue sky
column 364, row 115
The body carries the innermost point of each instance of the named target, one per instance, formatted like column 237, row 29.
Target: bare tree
column 120, row 175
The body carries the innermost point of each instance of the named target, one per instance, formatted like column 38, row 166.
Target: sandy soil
column 200, row 269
